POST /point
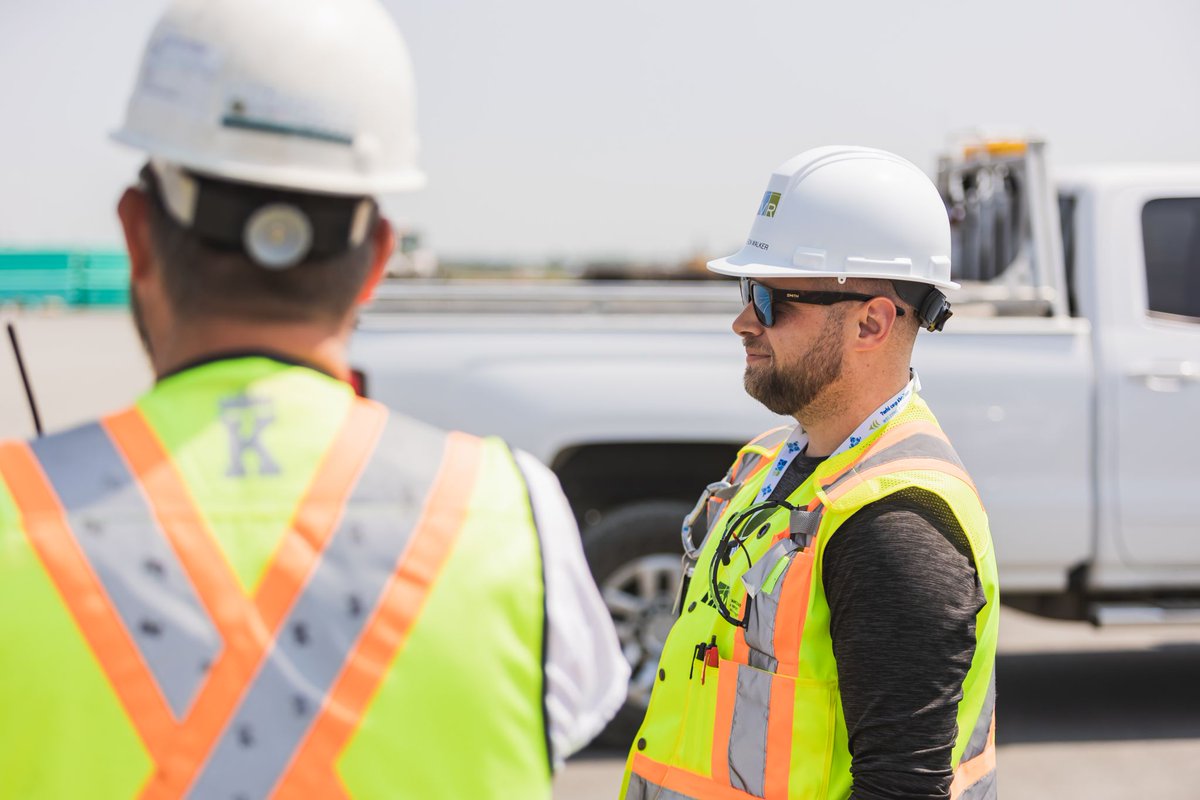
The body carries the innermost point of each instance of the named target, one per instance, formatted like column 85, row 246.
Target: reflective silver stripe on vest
column 324, row 624
column 983, row 725
column 982, row 789
column 642, row 789
column 134, row 562
column 803, row 526
column 748, row 733
column 768, row 442
column 764, row 607
column 921, row 445
column 746, row 466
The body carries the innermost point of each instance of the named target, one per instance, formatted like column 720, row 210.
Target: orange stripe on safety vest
column 793, row 608
column 312, row 772
column 971, row 772
column 317, row 516
column 727, row 681
column 246, row 627
column 779, row 738
column 685, row 782
column 243, row 641
column 891, row 437
column 902, row 465
column 741, row 648
column 45, row 523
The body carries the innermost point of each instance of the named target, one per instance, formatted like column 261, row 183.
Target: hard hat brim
column 739, row 266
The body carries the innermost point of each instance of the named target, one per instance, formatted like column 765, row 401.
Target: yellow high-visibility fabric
column 684, row 741
column 467, row 682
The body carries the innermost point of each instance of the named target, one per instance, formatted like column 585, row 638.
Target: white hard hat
column 308, row 95
column 847, row 212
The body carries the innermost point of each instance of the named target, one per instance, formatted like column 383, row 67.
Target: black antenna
column 37, row 421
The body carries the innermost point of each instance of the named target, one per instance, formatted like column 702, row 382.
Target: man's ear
column 384, row 244
column 133, row 209
column 876, row 324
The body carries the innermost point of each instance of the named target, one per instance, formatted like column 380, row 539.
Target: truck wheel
column 634, row 553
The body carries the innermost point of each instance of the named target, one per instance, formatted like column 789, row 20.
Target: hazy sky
column 648, row 128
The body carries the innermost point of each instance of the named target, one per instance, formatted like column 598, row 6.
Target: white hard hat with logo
column 306, row 95
column 847, row 212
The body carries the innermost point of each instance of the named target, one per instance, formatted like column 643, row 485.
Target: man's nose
column 746, row 323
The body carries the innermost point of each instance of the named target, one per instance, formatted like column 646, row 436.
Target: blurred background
column 564, row 133
column 620, row 140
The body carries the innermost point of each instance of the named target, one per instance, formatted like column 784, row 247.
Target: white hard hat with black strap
column 270, row 123
column 852, row 212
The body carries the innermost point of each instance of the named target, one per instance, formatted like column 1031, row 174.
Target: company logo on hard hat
column 770, row 202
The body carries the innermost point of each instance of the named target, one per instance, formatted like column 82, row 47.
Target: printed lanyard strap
column 798, row 440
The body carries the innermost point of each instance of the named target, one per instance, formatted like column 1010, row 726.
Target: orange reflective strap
column 741, row 648
column 971, row 772
column 902, row 465
column 890, row 437
column 45, row 523
column 684, row 782
column 317, row 516
column 793, row 612
column 723, row 722
column 312, row 773
column 779, row 738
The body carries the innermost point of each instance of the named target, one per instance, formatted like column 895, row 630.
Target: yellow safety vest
column 755, row 712
column 254, row 584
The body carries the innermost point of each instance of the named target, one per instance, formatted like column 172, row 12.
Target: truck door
column 1157, row 379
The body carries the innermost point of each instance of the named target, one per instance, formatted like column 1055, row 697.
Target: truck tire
column 634, row 553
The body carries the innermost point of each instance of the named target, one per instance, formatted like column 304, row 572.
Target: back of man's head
column 218, row 277
column 270, row 127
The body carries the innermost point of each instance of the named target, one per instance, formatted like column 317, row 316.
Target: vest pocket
column 779, row 586
column 768, row 726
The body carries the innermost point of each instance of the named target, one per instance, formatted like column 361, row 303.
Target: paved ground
column 1095, row 715
column 1082, row 713
column 80, row 366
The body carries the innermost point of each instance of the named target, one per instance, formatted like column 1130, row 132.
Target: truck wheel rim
column 640, row 596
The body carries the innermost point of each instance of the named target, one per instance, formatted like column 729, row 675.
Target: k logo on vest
column 245, row 419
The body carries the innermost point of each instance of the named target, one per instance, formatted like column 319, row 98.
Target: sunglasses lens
column 763, row 308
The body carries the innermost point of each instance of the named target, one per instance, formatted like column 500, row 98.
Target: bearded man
column 838, row 620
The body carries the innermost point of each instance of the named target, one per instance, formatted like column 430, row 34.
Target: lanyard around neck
column 798, row 440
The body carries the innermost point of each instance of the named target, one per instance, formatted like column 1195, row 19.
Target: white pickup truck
column 1068, row 379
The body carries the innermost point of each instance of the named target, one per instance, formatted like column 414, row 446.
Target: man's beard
column 791, row 388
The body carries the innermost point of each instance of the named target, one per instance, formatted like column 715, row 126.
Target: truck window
column 1171, row 238
column 1066, row 217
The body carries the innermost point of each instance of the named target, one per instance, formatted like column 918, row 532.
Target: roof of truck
column 1131, row 174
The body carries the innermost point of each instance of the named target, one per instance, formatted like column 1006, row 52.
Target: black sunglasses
column 764, row 298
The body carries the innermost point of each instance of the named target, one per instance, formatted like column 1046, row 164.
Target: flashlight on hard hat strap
column 275, row 228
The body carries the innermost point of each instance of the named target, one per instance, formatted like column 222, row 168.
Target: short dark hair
column 202, row 279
